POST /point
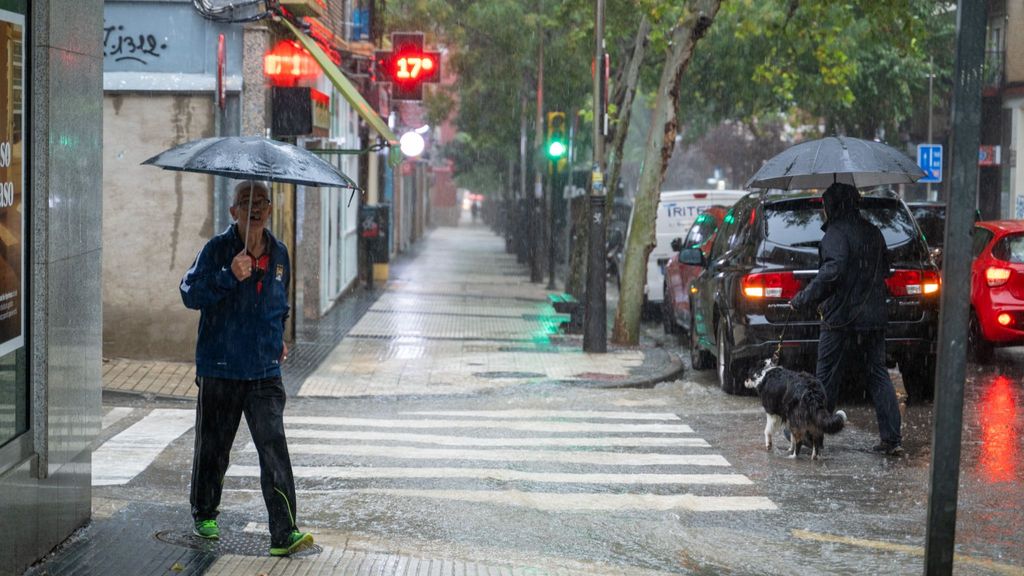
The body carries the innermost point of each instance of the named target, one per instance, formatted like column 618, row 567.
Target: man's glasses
column 256, row 204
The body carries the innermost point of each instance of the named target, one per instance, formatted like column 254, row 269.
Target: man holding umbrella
column 850, row 289
column 239, row 283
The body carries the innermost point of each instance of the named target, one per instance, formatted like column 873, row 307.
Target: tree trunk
column 632, row 77
column 660, row 143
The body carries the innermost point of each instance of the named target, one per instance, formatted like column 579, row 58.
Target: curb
column 676, row 367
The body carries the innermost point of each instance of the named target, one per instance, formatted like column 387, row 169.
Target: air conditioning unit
column 310, row 8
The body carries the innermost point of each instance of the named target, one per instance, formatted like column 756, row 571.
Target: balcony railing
column 993, row 73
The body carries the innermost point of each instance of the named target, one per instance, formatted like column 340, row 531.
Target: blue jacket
column 241, row 333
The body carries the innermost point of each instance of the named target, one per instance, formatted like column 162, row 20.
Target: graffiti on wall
column 122, row 45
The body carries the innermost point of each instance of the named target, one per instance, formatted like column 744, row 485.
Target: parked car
column 765, row 252
column 931, row 219
column 997, row 288
column 677, row 209
column 675, row 308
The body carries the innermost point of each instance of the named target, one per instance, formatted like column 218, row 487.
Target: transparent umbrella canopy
column 820, row 163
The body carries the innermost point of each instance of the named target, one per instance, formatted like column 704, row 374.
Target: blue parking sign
column 929, row 158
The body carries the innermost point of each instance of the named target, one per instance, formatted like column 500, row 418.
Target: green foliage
column 858, row 67
column 861, row 67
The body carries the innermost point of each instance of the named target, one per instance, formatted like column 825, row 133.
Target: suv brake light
column 996, row 276
column 913, row 282
column 770, row 285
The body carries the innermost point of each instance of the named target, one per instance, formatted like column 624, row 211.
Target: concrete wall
column 46, row 496
column 154, row 223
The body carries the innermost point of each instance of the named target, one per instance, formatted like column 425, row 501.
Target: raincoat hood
column 840, row 200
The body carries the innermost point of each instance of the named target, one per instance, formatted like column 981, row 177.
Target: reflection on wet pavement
column 1000, row 430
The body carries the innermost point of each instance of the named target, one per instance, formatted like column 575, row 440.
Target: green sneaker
column 297, row 542
column 206, row 529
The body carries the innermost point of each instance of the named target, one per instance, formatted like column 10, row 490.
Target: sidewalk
column 458, row 316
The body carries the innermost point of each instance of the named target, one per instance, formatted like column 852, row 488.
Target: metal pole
column 956, row 290
column 931, row 77
column 536, row 224
column 595, row 331
column 551, row 224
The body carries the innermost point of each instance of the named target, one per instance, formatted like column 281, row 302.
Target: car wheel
column 700, row 359
column 919, row 378
column 730, row 376
column 979, row 350
column 668, row 317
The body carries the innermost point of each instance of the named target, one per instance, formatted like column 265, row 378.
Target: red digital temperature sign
column 407, row 66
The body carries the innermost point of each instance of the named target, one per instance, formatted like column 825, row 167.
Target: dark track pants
column 218, row 412
column 840, row 351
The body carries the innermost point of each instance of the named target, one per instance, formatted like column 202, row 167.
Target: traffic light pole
column 551, row 224
column 951, row 362
column 595, row 329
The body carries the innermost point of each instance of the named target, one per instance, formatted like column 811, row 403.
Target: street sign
column 929, row 158
column 989, row 155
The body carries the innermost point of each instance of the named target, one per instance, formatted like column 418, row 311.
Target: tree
column 696, row 18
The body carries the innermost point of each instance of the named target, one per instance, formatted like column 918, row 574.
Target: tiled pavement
column 458, row 316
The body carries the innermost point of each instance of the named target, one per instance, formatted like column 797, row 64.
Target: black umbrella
column 819, row 163
column 252, row 158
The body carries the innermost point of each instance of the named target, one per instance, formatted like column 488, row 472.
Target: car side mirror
column 693, row 257
column 677, row 244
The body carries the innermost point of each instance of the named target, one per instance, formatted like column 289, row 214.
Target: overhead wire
column 234, row 11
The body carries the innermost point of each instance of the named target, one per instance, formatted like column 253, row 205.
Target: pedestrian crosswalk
column 547, row 460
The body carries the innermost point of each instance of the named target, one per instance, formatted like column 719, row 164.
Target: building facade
column 1001, row 159
column 50, row 306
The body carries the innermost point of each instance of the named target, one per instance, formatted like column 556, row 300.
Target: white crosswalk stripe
column 652, row 459
column 130, row 452
column 516, row 425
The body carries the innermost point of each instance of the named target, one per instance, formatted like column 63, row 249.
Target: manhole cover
column 239, row 543
column 500, row 374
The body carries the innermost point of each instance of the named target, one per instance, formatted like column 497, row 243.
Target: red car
column 997, row 288
column 678, row 277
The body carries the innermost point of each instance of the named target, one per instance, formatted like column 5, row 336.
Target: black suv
column 931, row 219
column 766, row 251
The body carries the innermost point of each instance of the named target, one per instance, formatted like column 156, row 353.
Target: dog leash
column 777, row 355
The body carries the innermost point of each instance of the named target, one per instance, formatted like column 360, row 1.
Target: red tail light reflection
column 999, row 451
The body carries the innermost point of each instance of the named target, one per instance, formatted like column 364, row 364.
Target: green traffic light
column 556, row 149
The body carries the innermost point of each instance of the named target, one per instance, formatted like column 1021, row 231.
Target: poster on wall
column 12, row 150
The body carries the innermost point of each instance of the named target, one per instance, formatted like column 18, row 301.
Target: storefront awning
column 344, row 85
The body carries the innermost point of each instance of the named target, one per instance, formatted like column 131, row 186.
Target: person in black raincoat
column 850, row 293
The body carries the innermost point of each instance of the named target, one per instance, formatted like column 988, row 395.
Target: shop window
column 14, row 397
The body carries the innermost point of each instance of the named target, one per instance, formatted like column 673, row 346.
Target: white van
column 676, row 212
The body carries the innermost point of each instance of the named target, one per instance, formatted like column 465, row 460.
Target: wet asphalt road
column 433, row 488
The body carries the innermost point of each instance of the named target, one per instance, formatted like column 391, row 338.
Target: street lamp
column 411, row 144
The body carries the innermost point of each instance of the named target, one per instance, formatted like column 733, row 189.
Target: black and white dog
column 797, row 400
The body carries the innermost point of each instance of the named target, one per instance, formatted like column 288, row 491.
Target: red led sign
column 407, row 66
column 289, row 63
